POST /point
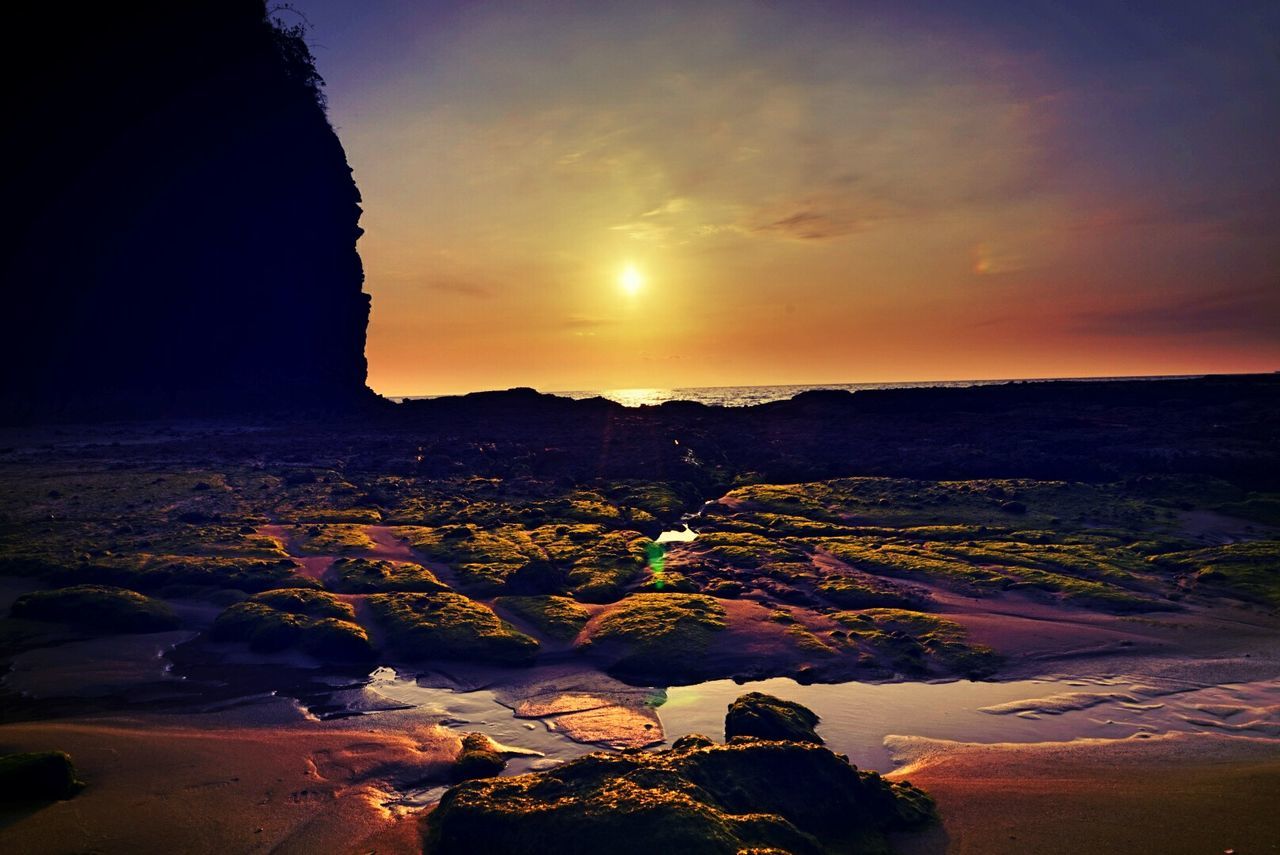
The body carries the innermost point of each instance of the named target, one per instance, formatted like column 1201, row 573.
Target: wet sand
column 1173, row 794
column 223, row 783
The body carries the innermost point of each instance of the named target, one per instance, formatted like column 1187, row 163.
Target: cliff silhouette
column 180, row 217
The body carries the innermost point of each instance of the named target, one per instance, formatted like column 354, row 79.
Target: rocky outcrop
column 180, row 220
column 766, row 717
column 698, row 797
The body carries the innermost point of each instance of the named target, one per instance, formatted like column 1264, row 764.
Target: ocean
column 746, row 396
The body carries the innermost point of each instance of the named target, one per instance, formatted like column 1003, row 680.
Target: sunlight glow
column 630, row 280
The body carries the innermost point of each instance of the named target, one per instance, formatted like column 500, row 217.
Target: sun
column 630, row 280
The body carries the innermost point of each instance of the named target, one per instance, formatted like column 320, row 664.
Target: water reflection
column 639, row 397
column 684, row 535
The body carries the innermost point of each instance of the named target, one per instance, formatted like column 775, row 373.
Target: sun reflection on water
column 639, row 397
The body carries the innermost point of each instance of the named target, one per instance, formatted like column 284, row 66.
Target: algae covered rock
column 378, row 575
column 99, row 608
column 315, row 622
column 37, row 776
column 479, row 758
column 766, row 717
column 656, row 633
column 698, row 797
column 558, row 617
column 451, row 626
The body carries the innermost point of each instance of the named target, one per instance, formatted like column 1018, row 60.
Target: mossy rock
column 479, row 758
column 315, row 622
column 656, row 633
column 698, row 798
column 856, row 593
column 332, row 538
column 910, row 639
column 1248, row 570
column 37, row 777
column 766, row 717
column 155, row 572
column 450, row 626
column 377, row 576
column 300, row 601
column 97, row 608
column 557, row 617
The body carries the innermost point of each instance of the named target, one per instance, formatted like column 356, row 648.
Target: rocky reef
column 180, row 221
column 699, row 797
column 37, row 776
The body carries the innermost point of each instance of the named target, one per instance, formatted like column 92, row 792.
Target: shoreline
column 1180, row 794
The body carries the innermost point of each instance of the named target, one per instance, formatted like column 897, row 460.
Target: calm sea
column 746, row 396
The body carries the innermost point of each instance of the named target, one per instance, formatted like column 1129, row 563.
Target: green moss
column 336, row 538
column 808, row 642
column 766, row 717
column 1080, row 574
column 698, row 798
column 556, row 617
column 470, row 544
column 314, row 622
column 742, row 549
column 147, row 572
column 670, row 582
column 37, row 777
column 97, row 608
column 330, row 516
column 479, row 758
column 449, row 625
column 648, row 632
column 315, row 604
column 376, row 575
column 864, row 592
column 910, row 639
column 1249, row 570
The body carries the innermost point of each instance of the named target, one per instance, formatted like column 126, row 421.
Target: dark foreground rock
column 97, row 608
column 699, row 797
column 766, row 717
column 37, row 777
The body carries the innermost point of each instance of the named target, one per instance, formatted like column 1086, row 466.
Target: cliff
column 180, row 220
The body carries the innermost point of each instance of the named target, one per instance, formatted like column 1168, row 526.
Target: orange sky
column 810, row 193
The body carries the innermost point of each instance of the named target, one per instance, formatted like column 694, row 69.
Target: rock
column 379, row 575
column 315, row 622
column 479, row 758
column 39, row 776
column 697, row 798
column 766, row 717
column 100, row 608
column 451, row 626
column 651, row 634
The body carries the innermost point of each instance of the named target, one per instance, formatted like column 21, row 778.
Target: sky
column 610, row 195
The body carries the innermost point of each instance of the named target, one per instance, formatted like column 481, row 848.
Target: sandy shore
column 214, row 784
column 1173, row 794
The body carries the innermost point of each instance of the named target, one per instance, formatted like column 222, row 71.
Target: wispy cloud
column 811, row 225
column 460, row 287
column 1243, row 313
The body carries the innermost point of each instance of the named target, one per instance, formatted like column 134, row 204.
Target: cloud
column 990, row 259
column 583, row 323
column 1249, row 313
column 460, row 287
column 811, row 225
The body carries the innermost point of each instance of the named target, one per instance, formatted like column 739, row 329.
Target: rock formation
column 180, row 217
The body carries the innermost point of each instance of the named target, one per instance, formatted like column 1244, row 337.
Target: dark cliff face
column 180, row 220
